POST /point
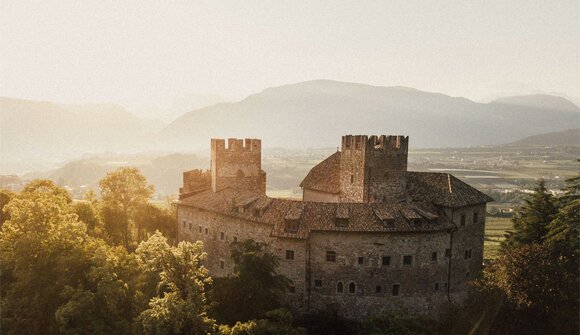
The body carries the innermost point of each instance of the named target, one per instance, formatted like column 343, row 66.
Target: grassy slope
column 495, row 228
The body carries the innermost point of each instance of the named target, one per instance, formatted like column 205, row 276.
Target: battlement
column 239, row 165
column 391, row 143
column 373, row 168
column 234, row 144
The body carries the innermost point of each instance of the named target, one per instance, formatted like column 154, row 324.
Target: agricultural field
column 495, row 229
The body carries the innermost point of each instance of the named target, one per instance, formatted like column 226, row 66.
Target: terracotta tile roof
column 318, row 216
column 439, row 188
column 443, row 189
column 325, row 176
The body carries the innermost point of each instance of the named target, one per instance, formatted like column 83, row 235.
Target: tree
column 532, row 219
column 538, row 287
column 277, row 322
column 180, row 305
column 397, row 321
column 41, row 234
column 255, row 286
column 5, row 197
column 150, row 218
column 564, row 230
column 58, row 272
column 39, row 187
column 123, row 192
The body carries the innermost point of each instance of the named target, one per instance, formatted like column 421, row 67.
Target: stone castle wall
column 317, row 196
column 468, row 239
column 239, row 165
column 423, row 285
column 373, row 169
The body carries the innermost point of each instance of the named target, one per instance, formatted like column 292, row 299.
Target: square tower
column 238, row 166
column 373, row 169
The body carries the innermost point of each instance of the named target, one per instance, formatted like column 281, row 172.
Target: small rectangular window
column 317, row 283
column 436, row 286
column 448, row 253
column 190, row 226
column 467, row 254
column 206, row 231
column 463, row 219
column 222, row 264
column 396, row 289
column 235, row 239
column 386, row 260
column 434, row 256
column 199, row 228
column 378, row 289
column 475, row 217
column 290, row 254
column 408, row 260
column 183, row 223
column 222, row 236
column 360, row 260
column 331, row 256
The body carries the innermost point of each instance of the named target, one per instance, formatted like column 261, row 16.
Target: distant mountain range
column 313, row 114
column 570, row 137
column 35, row 133
column 316, row 113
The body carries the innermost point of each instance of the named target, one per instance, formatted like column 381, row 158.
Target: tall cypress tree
column 532, row 219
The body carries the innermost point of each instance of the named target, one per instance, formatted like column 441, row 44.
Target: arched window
column 351, row 287
column 339, row 287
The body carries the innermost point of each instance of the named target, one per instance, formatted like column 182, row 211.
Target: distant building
column 368, row 234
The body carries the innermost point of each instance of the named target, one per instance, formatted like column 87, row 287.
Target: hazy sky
column 148, row 52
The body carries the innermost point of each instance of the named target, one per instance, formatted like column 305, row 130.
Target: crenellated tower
column 373, row 168
column 239, row 165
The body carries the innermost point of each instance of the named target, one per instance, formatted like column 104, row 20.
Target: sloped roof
column 325, row 176
column 443, row 189
column 318, row 216
column 438, row 188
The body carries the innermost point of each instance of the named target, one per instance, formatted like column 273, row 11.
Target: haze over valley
column 314, row 114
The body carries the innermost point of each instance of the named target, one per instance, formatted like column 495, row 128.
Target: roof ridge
column 449, row 183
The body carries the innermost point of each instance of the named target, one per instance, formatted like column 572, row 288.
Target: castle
column 367, row 235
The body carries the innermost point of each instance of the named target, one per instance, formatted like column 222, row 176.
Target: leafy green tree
column 180, row 306
column 48, row 188
column 123, row 192
column 538, row 288
column 5, row 197
column 532, row 219
column 277, row 322
column 398, row 321
column 106, row 302
column 255, row 286
column 41, row 235
column 150, row 218
column 57, row 270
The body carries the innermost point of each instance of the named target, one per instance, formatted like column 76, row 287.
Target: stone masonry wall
column 218, row 231
column 352, row 169
column 373, row 169
column 318, row 196
column 239, row 165
column 422, row 284
column 467, row 246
